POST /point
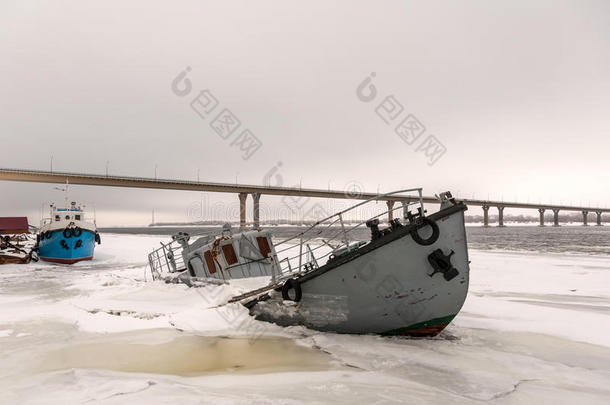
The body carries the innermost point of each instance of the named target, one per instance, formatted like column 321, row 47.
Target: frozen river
column 535, row 329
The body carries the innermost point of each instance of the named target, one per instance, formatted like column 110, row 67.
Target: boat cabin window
column 57, row 217
column 230, row 255
column 263, row 245
column 209, row 261
column 67, row 216
column 77, row 217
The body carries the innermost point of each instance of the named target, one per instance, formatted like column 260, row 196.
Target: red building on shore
column 13, row 225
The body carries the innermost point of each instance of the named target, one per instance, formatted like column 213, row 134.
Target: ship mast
column 65, row 190
column 66, row 195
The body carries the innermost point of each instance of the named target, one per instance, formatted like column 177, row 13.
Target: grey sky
column 517, row 91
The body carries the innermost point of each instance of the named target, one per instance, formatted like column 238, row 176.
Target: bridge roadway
column 243, row 190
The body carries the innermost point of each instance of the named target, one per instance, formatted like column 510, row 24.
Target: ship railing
column 309, row 258
column 166, row 260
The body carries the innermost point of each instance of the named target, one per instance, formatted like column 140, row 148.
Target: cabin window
column 57, row 217
column 230, row 255
column 67, row 216
column 77, row 217
column 263, row 246
column 209, row 260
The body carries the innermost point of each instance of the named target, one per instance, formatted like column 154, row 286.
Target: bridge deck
column 38, row 176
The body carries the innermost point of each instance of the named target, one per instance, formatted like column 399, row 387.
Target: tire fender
column 292, row 284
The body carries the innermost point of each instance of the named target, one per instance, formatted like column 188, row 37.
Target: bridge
column 243, row 190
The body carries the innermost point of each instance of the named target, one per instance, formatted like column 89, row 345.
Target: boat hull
column 385, row 287
column 59, row 249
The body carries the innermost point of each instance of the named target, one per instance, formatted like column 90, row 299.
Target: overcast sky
column 516, row 92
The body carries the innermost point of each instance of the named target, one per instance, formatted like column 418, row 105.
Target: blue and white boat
column 68, row 236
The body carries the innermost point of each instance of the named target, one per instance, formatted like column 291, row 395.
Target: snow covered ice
column 535, row 329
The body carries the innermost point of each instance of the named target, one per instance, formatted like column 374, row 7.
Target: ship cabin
column 241, row 255
column 75, row 213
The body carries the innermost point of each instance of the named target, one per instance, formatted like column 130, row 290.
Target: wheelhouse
column 241, row 255
column 74, row 213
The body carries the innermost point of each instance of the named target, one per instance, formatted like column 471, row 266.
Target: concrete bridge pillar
column 541, row 211
column 390, row 210
column 500, row 216
column 555, row 217
column 405, row 209
column 485, row 215
column 584, row 218
column 242, row 210
column 256, row 210
column 599, row 218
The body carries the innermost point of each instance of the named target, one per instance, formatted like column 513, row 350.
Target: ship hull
column 386, row 287
column 56, row 248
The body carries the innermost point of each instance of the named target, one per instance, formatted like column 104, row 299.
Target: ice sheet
column 534, row 330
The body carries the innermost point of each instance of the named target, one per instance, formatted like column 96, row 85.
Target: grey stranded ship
column 411, row 278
